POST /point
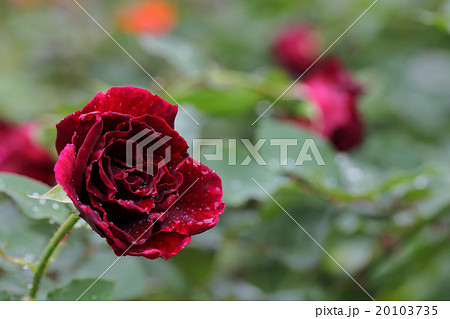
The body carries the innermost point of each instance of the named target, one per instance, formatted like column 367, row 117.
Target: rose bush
column 19, row 154
column 148, row 207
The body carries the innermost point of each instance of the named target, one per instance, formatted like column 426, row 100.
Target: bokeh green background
column 381, row 210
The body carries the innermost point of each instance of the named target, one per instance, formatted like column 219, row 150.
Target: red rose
column 297, row 47
column 19, row 154
column 172, row 199
column 334, row 93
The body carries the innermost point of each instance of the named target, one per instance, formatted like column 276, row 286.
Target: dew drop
column 35, row 194
column 36, row 209
column 29, row 286
column 42, row 201
column 25, row 267
column 55, row 206
column 208, row 221
column 51, row 221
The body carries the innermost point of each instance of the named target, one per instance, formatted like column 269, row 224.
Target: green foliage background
column 382, row 210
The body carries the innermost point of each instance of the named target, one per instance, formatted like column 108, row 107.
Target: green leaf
column 222, row 102
column 56, row 194
column 20, row 238
column 102, row 290
column 14, row 186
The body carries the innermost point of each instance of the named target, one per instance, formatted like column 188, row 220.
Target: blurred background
column 380, row 207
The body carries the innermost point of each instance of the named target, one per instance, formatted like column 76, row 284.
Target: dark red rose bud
column 19, row 154
column 297, row 47
column 129, row 174
column 334, row 94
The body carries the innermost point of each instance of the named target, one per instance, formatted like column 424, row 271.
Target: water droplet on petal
column 208, row 221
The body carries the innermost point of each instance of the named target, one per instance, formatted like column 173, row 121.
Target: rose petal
column 200, row 201
column 141, row 228
column 132, row 101
column 163, row 244
column 66, row 130
column 74, row 127
column 64, row 175
column 84, row 152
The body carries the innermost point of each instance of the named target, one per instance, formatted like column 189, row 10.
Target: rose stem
column 48, row 251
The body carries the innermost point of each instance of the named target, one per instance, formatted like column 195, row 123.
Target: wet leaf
column 14, row 186
column 56, row 194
